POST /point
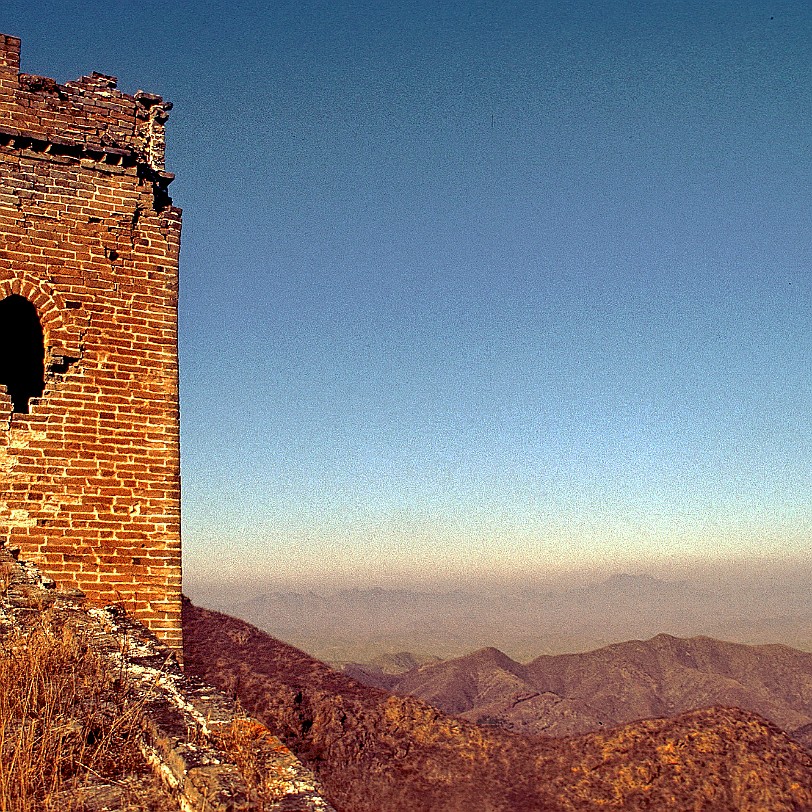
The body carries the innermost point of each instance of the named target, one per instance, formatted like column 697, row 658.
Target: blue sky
column 488, row 288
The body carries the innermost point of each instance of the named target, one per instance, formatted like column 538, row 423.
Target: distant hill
column 379, row 753
column 357, row 625
column 577, row 693
column 386, row 670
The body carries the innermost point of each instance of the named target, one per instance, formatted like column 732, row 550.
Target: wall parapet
column 88, row 117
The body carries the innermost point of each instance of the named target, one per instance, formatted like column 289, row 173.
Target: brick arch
column 61, row 337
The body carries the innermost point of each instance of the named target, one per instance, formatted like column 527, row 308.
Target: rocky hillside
column 569, row 694
column 378, row 753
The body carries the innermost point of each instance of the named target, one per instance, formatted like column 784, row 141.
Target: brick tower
column 89, row 242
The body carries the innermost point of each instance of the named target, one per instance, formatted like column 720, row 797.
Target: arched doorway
column 22, row 351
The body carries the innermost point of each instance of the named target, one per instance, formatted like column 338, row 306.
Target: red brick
column 90, row 485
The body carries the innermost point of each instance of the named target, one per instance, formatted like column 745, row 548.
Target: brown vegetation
column 68, row 726
column 378, row 753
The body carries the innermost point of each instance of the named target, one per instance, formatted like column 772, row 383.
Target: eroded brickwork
column 89, row 468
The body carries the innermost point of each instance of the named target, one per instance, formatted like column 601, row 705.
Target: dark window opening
column 22, row 351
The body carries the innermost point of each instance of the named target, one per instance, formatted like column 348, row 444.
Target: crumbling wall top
column 89, row 114
column 211, row 757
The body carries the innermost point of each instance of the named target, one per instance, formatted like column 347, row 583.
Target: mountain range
column 569, row 694
column 356, row 625
column 375, row 752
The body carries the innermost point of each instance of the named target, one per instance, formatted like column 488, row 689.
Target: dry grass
column 67, row 719
column 259, row 757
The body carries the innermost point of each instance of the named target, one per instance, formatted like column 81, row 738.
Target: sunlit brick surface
column 90, row 476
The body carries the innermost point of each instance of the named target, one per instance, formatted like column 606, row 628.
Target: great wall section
column 89, row 429
column 89, row 417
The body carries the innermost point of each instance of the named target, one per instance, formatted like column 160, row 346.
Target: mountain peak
column 490, row 655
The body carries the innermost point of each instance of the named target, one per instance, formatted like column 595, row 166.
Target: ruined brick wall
column 89, row 476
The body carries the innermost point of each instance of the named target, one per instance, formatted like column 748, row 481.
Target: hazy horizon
column 778, row 569
column 358, row 621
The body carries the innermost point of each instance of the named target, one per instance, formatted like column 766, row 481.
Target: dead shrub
column 259, row 756
column 67, row 718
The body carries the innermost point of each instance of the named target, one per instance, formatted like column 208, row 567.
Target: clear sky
column 486, row 287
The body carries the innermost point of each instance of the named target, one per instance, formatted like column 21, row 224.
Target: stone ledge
column 186, row 726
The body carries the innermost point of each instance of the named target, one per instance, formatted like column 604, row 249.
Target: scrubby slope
column 377, row 753
column 69, row 726
column 576, row 693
